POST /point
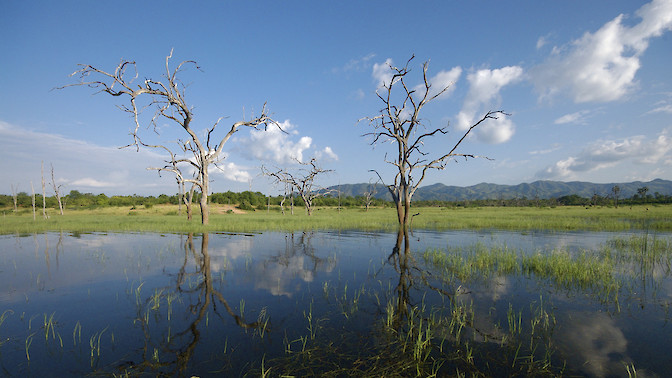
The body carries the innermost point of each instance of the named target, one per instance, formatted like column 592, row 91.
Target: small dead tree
column 32, row 189
column 302, row 181
column 173, row 166
column 369, row 195
column 167, row 97
column 15, row 196
column 401, row 124
column 57, row 190
column 44, row 195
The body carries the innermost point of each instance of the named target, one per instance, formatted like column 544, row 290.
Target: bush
column 245, row 205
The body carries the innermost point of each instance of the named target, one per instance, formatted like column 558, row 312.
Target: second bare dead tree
column 57, row 190
column 302, row 181
column 167, row 97
column 399, row 122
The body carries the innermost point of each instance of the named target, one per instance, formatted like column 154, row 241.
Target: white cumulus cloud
column 275, row 145
column 443, row 79
column 601, row 66
column 326, row 154
column 484, row 88
column 231, row 171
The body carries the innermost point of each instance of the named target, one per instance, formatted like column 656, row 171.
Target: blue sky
column 587, row 84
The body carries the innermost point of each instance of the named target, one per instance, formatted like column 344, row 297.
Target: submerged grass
column 582, row 271
column 165, row 219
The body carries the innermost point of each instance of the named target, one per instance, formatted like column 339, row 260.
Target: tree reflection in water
column 170, row 353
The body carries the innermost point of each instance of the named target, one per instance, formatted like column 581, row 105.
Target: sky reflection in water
column 156, row 303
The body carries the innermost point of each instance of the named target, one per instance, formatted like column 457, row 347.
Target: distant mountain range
column 537, row 189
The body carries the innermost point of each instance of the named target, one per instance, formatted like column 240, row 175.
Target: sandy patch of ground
column 223, row 209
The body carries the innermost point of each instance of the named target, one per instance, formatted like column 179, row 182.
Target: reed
column 4, row 316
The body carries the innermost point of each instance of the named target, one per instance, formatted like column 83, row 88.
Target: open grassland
column 222, row 219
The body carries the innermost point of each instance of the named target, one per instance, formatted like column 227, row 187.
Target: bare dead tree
column 172, row 166
column 57, row 190
column 32, row 189
column 15, row 196
column 302, row 181
column 167, row 97
column 401, row 124
column 44, row 195
column 369, row 195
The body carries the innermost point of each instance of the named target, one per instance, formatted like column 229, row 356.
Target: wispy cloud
column 604, row 154
column 553, row 148
column 77, row 164
column 601, row 66
column 484, row 88
column 382, row 73
column 359, row 64
column 578, row 118
column 664, row 106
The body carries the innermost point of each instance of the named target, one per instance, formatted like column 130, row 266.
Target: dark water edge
column 313, row 303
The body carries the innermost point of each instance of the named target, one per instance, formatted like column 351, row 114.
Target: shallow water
column 234, row 304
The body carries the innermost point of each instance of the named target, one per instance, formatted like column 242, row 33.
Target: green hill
column 537, row 189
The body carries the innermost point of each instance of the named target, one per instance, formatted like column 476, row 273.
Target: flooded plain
column 336, row 303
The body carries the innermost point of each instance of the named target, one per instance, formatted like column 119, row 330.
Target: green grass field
column 166, row 219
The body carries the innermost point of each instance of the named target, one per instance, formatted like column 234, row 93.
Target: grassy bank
column 166, row 219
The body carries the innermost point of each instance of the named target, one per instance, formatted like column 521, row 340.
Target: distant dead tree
column 44, row 195
column 302, row 181
column 15, row 196
column 370, row 194
column 32, row 189
column 57, row 190
column 167, row 97
column 400, row 123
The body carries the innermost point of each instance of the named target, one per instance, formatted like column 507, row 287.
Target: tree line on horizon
column 250, row 201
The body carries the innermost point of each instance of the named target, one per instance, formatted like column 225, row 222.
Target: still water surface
column 314, row 302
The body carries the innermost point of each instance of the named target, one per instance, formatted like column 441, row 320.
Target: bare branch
column 400, row 123
column 167, row 97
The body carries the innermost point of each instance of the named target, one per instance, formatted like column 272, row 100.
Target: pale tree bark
column 15, row 196
column 399, row 122
column 167, row 97
column 370, row 194
column 44, row 195
column 32, row 189
column 303, row 181
column 57, row 190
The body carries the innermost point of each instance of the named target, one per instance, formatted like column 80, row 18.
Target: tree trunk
column 57, row 191
column 44, row 195
column 180, row 196
column 205, row 187
column 32, row 188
